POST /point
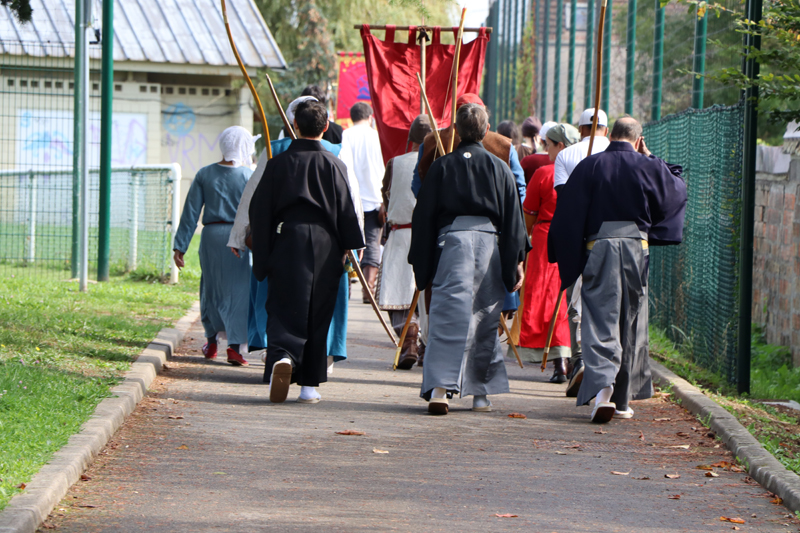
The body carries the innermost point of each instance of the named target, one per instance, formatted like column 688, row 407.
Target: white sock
column 330, row 365
column 604, row 395
column 308, row 393
column 285, row 360
column 439, row 392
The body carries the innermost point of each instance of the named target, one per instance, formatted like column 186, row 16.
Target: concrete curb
column 26, row 511
column 761, row 465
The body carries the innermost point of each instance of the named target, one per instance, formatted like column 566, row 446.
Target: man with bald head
column 616, row 205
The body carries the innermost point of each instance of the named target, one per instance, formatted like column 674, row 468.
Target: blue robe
column 257, row 316
column 216, row 190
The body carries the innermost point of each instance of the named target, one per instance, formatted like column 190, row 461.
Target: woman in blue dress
column 225, row 278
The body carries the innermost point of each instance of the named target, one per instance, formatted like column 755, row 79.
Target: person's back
column 361, row 150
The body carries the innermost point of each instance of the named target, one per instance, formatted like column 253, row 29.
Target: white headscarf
column 293, row 107
column 237, row 145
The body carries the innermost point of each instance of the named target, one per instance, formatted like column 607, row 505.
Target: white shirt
column 568, row 158
column 361, row 154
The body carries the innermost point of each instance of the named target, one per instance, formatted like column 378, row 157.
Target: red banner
column 353, row 86
column 392, row 68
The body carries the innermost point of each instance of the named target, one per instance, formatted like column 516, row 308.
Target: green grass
column 61, row 351
column 772, row 377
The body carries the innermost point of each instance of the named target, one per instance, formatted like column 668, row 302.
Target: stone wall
column 776, row 269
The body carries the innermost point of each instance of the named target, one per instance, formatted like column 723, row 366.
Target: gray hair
column 626, row 128
column 471, row 122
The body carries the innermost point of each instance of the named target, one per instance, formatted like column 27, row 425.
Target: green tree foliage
column 20, row 8
column 310, row 33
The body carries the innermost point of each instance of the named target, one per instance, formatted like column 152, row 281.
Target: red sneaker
column 210, row 350
column 236, row 359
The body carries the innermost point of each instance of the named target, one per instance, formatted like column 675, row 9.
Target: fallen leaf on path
column 736, row 528
column 87, row 506
column 620, row 473
column 48, row 526
column 732, row 520
column 644, row 478
column 506, row 515
column 641, row 436
column 182, row 447
column 21, row 486
column 573, row 446
column 662, row 419
column 175, row 417
column 682, row 446
column 84, row 477
column 516, row 415
column 674, row 497
column 712, row 474
column 350, row 432
column 682, row 434
column 601, row 432
column 777, row 501
column 704, row 467
column 722, row 464
column 672, row 476
column 561, row 453
column 737, row 469
column 376, row 450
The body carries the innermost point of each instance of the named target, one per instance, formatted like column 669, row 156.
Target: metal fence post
column 658, row 62
column 606, row 59
column 557, row 58
column 630, row 59
column 31, row 255
column 545, row 53
column 77, row 136
column 748, row 204
column 107, row 91
column 490, row 89
column 588, row 68
column 176, row 215
column 515, row 62
column 573, row 7
column 133, row 239
column 699, row 64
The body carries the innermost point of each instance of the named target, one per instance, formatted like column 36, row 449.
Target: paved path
column 206, row 451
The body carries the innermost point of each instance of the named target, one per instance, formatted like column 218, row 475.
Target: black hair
column 315, row 91
column 360, row 111
column 311, row 118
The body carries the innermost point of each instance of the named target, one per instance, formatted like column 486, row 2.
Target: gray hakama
column 464, row 353
column 615, row 312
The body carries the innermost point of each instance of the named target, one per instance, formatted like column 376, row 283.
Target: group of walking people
column 508, row 226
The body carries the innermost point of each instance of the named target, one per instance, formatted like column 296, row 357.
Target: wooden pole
column 248, row 80
column 598, row 86
column 280, row 108
column 363, row 281
column 508, row 334
column 454, row 79
column 434, row 126
column 427, row 28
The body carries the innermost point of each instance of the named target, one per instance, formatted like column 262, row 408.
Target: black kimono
column 467, row 238
column 615, row 205
column 303, row 221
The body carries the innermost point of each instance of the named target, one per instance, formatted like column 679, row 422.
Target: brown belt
column 216, row 222
column 396, row 227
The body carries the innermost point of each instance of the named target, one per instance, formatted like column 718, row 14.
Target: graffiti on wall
column 44, row 139
column 190, row 141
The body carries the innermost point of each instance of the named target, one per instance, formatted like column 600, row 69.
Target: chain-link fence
column 38, row 218
column 694, row 286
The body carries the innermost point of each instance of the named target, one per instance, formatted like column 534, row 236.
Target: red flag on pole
column 392, row 68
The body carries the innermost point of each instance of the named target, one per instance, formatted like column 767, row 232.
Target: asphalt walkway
column 207, row 452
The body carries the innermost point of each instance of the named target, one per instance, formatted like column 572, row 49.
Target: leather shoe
column 559, row 372
column 576, row 379
column 236, row 359
column 210, row 350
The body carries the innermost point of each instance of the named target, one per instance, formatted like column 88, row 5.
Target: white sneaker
column 309, row 395
column 627, row 413
column 603, row 412
column 330, row 365
column 279, row 381
column 481, row 404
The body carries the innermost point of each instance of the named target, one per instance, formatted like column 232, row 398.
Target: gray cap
column 564, row 133
column 419, row 129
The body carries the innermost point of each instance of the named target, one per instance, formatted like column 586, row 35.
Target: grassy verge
column 772, row 377
column 61, row 351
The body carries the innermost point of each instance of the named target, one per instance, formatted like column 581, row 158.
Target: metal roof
column 158, row 31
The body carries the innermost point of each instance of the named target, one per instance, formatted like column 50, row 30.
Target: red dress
column 542, row 282
column 532, row 163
